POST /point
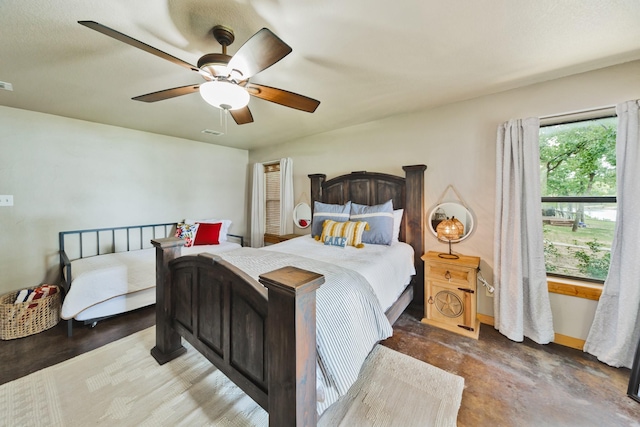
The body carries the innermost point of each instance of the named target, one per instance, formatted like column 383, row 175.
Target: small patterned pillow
column 351, row 230
column 187, row 232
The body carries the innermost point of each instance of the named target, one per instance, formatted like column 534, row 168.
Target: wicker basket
column 18, row 320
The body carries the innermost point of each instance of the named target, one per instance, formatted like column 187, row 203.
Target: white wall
column 67, row 174
column 457, row 143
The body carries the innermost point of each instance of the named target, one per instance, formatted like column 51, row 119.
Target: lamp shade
column 224, row 95
column 450, row 229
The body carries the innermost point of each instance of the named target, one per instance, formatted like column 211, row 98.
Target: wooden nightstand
column 274, row 238
column 450, row 293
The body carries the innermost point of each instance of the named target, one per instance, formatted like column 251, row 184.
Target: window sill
column 574, row 288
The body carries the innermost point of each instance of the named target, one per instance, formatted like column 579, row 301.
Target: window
column 272, row 198
column 578, row 183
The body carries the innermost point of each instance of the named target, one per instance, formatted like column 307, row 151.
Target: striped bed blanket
column 350, row 320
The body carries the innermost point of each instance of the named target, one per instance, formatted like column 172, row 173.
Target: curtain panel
column 286, row 196
column 521, row 300
column 615, row 331
column 258, row 215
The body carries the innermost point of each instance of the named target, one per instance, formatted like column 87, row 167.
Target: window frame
column 562, row 283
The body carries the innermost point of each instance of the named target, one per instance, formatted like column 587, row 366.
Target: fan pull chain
column 223, row 121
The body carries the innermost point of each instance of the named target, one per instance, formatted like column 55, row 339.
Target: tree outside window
column 578, row 183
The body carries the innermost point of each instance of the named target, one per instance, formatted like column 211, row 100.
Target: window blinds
column 272, row 184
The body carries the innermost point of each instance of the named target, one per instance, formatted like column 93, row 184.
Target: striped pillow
column 324, row 211
column 380, row 219
column 351, row 230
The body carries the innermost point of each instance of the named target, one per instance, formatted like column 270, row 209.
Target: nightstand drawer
column 444, row 273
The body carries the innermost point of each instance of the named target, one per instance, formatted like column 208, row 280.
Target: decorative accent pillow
column 351, row 230
column 208, row 234
column 224, row 230
column 397, row 221
column 324, row 211
column 187, row 232
column 380, row 219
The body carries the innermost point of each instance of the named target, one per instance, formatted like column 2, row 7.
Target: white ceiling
column 363, row 59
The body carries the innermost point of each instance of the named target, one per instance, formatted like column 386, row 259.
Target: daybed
column 292, row 331
column 109, row 271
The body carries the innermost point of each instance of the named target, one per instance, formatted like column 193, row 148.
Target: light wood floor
column 506, row 383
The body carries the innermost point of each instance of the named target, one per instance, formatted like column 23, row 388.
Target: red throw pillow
column 208, row 234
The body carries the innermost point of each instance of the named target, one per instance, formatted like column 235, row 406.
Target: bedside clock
column 450, row 287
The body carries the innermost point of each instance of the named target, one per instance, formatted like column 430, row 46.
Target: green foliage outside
column 585, row 253
column 578, row 159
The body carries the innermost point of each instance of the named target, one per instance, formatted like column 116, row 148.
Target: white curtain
column 615, row 331
column 521, row 300
column 258, row 215
column 286, row 196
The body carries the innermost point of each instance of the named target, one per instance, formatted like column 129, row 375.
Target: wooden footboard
column 262, row 339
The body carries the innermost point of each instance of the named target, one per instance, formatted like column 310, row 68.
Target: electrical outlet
column 488, row 289
column 6, row 200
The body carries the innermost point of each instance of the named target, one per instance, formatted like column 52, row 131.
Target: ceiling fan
column 227, row 77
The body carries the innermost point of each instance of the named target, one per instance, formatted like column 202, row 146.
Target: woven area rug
column 120, row 384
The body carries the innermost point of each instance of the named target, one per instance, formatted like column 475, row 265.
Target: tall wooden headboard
column 372, row 188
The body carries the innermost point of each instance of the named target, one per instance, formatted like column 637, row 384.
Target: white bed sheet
column 99, row 279
column 387, row 268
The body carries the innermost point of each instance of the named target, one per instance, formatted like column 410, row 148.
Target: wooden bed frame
column 264, row 337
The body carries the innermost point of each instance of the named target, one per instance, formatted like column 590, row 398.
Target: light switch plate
column 6, row 200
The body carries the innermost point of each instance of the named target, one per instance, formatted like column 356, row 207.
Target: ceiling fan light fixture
column 224, row 95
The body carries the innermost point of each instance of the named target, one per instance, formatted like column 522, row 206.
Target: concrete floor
column 520, row 384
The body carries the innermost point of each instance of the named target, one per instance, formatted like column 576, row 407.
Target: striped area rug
column 120, row 384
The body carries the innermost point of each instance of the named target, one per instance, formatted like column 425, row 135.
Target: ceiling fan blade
column 261, row 51
column 167, row 93
column 136, row 43
column 283, row 97
column 242, row 115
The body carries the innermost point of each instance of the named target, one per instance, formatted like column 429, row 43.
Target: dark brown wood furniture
column 263, row 337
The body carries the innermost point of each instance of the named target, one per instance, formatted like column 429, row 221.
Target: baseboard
column 567, row 341
column 487, row 320
column 560, row 339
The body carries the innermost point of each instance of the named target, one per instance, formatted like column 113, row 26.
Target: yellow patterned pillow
column 352, row 231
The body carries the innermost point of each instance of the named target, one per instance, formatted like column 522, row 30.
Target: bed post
column 291, row 346
column 316, row 188
column 414, row 225
column 168, row 342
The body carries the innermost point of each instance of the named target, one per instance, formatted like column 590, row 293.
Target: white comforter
column 350, row 318
column 388, row 269
column 99, row 278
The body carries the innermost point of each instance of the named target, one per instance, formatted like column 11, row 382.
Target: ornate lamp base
column 449, row 255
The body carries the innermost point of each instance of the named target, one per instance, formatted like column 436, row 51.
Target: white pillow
column 397, row 220
column 223, row 230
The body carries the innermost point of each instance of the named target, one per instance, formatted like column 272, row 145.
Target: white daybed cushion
column 100, row 278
